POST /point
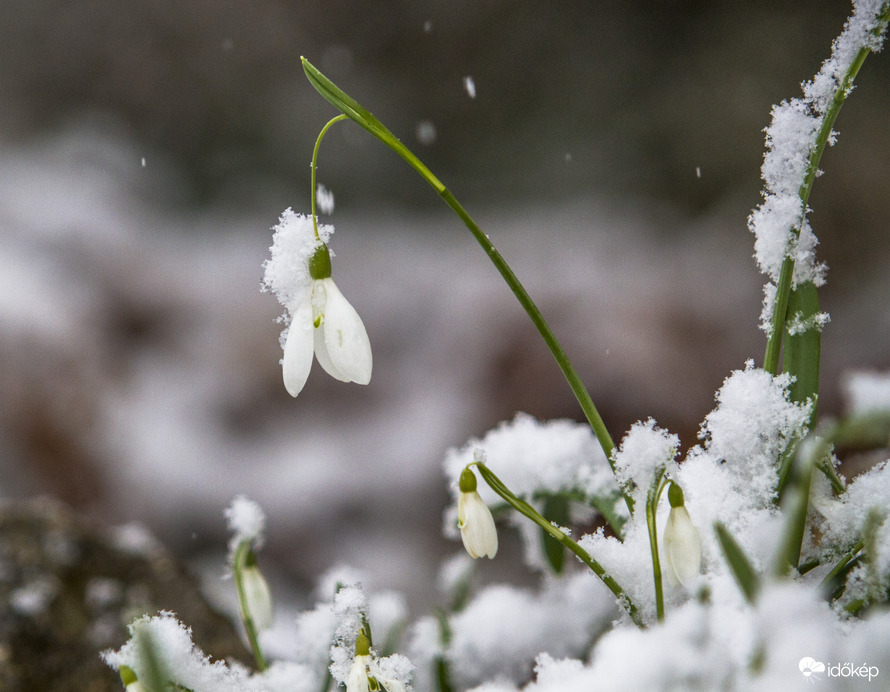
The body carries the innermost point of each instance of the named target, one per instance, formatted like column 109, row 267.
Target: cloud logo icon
column 810, row 666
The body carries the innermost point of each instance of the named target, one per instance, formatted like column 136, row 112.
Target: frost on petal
column 346, row 345
column 298, row 348
column 286, row 272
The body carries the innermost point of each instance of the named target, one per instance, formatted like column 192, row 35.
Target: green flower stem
column 652, row 498
column 351, row 108
column 239, row 562
column 321, row 134
column 780, row 308
column 527, row 510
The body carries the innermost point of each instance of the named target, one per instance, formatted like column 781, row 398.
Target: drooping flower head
column 322, row 322
column 682, row 545
column 477, row 529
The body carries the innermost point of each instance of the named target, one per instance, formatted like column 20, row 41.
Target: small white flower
column 358, row 675
column 258, row 597
column 477, row 529
column 682, row 545
column 324, row 323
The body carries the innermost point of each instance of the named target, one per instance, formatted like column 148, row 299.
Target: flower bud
column 257, row 594
column 682, row 545
column 477, row 529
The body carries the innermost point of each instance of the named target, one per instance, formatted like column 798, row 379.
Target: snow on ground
column 137, row 341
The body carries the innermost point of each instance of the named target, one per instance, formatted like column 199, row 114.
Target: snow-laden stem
column 352, row 109
column 784, row 285
column 239, row 562
column 524, row 508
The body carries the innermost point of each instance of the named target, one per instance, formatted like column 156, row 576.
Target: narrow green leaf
column 803, row 347
column 347, row 105
column 739, row 564
column 556, row 509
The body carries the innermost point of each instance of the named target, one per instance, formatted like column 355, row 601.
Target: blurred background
column 610, row 149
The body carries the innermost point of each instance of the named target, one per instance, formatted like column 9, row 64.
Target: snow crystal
column 710, row 647
column 503, row 628
column 325, row 200
column 286, row 272
column 350, row 610
column 172, row 643
column 34, row 597
column 750, row 429
column 867, row 392
column 790, row 139
column 470, row 87
column 847, row 516
column 425, row 132
column 247, row 521
column 395, row 667
column 531, row 456
column 645, row 450
column 314, row 635
column 799, row 324
column 284, row 676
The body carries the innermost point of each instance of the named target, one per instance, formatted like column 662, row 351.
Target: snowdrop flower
column 324, row 323
column 474, row 519
column 363, row 676
column 257, row 594
column 682, row 545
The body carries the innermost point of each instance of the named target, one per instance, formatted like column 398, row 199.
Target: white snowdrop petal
column 358, row 675
column 259, row 598
column 345, row 338
column 682, row 547
column 298, row 349
column 324, row 358
column 477, row 529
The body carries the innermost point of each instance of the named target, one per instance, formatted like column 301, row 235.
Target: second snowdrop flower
column 477, row 529
column 682, row 545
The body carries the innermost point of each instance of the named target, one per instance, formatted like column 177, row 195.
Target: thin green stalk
column 527, row 510
column 321, row 134
column 774, row 343
column 652, row 498
column 239, row 562
column 351, row 108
